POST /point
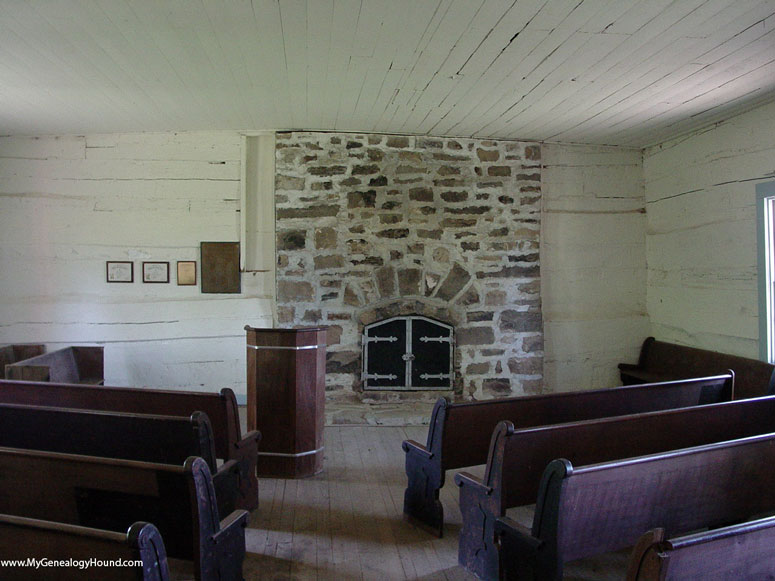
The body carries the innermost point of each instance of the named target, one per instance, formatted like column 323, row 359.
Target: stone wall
column 371, row 226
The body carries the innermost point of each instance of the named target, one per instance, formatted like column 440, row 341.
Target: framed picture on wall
column 156, row 272
column 186, row 272
column 120, row 271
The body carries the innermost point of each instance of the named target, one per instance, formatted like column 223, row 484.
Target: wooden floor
column 346, row 523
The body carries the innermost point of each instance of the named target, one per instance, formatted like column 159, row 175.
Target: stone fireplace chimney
column 371, row 227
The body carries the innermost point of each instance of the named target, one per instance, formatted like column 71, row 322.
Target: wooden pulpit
column 286, row 399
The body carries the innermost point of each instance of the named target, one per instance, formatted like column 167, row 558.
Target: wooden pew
column 589, row 510
column 27, row 538
column 662, row 361
column 221, row 409
column 13, row 353
column 68, row 365
column 111, row 494
column 517, row 459
column 459, row 433
column 142, row 437
column 739, row 551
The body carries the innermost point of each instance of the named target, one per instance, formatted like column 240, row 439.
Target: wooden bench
column 661, row 361
column 142, row 437
column 13, row 353
column 517, row 459
column 111, row 494
column 221, row 409
column 739, row 551
column 588, row 510
column 459, row 433
column 68, row 365
column 27, row 538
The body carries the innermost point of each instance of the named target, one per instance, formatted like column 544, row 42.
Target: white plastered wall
column 68, row 204
column 701, row 240
column 593, row 264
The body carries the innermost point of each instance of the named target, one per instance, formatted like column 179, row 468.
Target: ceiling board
column 624, row 72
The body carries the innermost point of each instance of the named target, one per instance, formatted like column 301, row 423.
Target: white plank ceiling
column 624, row 72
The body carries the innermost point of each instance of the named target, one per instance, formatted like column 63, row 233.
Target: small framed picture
column 120, row 271
column 186, row 272
column 156, row 271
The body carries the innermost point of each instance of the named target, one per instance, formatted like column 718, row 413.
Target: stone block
column 328, row 262
column 482, row 368
column 496, row 387
column 397, row 142
column 394, row 233
column 367, row 199
column 454, row 196
column 291, row 291
column 488, row 154
column 325, row 238
column 409, row 281
column 526, row 365
column 455, row 281
column 386, row 281
column 360, row 170
column 328, row 170
column 499, row 170
column 284, row 182
column 291, row 239
column 475, row 336
column 308, row 212
column 520, row 322
column 421, row 194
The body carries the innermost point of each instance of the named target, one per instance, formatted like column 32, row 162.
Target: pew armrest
column 249, row 440
column 414, row 447
column 468, row 480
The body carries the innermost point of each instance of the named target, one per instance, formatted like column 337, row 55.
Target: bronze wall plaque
column 220, row 267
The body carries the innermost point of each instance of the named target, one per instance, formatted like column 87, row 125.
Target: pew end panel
column 221, row 549
column 480, row 506
column 534, row 554
column 22, row 538
column 425, row 474
column 245, row 453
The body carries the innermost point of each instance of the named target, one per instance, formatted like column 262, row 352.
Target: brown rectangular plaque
column 220, row 267
column 286, row 399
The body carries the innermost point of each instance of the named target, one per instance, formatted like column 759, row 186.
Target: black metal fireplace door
column 407, row 353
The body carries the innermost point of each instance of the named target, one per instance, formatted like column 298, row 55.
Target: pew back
column 68, row 365
column 459, row 433
column 525, row 453
column 149, row 438
column 517, row 459
column 26, row 538
column 661, row 361
column 111, row 494
column 730, row 553
column 588, row 510
column 220, row 408
column 469, row 426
